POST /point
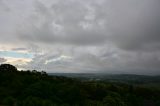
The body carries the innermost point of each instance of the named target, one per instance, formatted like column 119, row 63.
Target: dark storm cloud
column 62, row 24
column 138, row 27
column 85, row 35
column 130, row 25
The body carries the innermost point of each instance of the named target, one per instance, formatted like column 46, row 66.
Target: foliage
column 33, row 88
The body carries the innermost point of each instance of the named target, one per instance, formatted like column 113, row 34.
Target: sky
column 81, row 36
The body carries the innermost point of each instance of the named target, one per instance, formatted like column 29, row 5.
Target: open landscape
column 79, row 52
column 33, row 88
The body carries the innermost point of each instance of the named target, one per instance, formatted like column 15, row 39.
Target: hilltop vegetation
column 33, row 88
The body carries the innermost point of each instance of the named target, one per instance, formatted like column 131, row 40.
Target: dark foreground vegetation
column 32, row 88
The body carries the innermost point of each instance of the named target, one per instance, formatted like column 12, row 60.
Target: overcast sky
column 112, row 36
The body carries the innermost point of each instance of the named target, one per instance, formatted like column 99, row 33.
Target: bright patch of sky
column 61, row 58
column 15, row 54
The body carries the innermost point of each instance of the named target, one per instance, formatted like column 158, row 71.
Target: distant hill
column 126, row 78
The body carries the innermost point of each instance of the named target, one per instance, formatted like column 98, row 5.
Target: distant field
column 142, row 80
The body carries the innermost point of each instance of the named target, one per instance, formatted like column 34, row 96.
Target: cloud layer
column 84, row 35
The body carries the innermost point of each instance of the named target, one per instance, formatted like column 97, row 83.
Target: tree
column 113, row 101
column 7, row 68
column 9, row 101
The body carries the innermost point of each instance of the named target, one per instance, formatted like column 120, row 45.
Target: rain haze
column 81, row 36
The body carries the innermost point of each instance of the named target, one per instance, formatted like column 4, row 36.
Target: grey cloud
column 19, row 49
column 2, row 60
column 97, row 59
column 138, row 27
column 62, row 24
column 98, row 34
column 130, row 25
column 3, row 6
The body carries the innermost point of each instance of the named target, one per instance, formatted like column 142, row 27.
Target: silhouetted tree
column 7, row 67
